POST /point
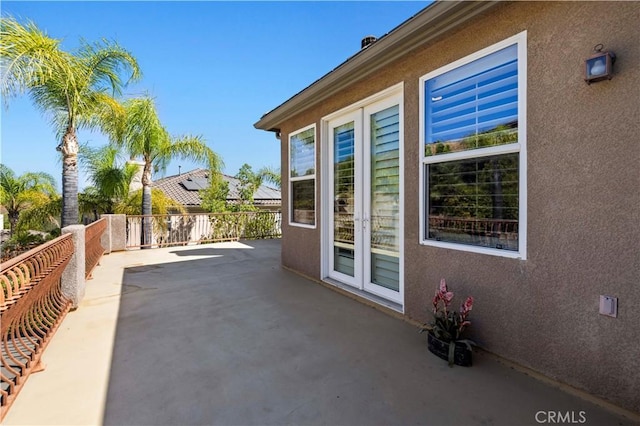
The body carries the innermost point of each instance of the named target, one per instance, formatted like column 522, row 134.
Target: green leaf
column 452, row 352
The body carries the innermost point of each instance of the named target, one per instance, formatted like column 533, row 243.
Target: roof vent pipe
column 367, row 41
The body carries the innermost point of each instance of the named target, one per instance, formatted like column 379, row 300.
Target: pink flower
column 468, row 304
column 448, row 296
column 465, row 309
column 443, row 286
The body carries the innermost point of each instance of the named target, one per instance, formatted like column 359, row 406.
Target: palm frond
column 91, row 202
column 42, row 215
column 271, row 175
column 105, row 62
column 140, row 127
column 108, row 173
column 194, row 148
column 28, row 57
column 108, row 116
column 19, row 192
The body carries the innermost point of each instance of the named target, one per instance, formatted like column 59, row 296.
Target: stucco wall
column 300, row 245
column 583, row 199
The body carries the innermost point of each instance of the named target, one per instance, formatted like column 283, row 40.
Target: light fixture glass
column 599, row 66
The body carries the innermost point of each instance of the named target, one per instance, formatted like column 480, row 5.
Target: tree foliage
column 30, row 194
column 161, row 204
column 248, row 184
column 69, row 88
column 214, row 197
column 110, row 177
column 138, row 130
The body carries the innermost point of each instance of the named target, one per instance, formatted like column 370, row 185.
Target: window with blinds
column 303, row 153
column 302, row 161
column 473, row 106
column 473, row 142
column 385, row 193
column 344, row 203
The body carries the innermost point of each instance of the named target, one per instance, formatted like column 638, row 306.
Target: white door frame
column 359, row 112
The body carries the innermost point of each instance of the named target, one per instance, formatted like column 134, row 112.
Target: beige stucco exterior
column 583, row 198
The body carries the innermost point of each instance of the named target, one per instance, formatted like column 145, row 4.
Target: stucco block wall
column 115, row 236
column 583, row 198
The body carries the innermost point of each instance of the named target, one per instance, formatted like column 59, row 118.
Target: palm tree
column 110, row 179
column 43, row 216
column 139, row 132
column 29, row 191
column 69, row 88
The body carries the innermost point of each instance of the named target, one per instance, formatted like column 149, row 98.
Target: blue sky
column 214, row 68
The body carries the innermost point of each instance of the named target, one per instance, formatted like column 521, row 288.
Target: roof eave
column 425, row 26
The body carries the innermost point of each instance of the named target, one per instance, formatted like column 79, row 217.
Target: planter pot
column 461, row 355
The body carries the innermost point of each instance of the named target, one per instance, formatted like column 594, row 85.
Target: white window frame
column 302, row 178
column 521, row 41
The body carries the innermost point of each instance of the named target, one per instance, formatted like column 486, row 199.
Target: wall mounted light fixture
column 599, row 66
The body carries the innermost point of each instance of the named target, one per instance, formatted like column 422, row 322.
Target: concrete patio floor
column 220, row 334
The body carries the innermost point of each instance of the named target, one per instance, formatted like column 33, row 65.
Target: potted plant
column 444, row 333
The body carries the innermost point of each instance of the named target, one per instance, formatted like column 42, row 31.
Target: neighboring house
column 185, row 188
column 466, row 144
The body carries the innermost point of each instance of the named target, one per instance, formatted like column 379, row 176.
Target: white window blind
column 385, row 178
column 385, row 190
column 303, row 153
column 302, row 160
column 479, row 98
column 344, row 182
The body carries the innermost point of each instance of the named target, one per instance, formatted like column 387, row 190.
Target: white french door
column 364, row 238
column 345, row 219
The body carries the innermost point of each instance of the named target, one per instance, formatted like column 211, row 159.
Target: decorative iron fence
column 198, row 228
column 93, row 249
column 32, row 307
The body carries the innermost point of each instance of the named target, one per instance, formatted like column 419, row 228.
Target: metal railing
column 93, row 249
column 197, row 228
column 9, row 252
column 502, row 233
column 32, row 307
column 474, row 226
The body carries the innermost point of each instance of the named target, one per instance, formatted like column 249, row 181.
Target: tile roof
column 176, row 186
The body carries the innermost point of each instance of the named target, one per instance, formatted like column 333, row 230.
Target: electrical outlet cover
column 609, row 306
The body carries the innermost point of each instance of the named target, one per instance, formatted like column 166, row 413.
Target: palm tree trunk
column 13, row 221
column 69, row 148
column 147, row 221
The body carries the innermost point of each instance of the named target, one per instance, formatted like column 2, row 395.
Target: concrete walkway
column 221, row 335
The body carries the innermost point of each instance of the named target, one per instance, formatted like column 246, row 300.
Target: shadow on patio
column 221, row 334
